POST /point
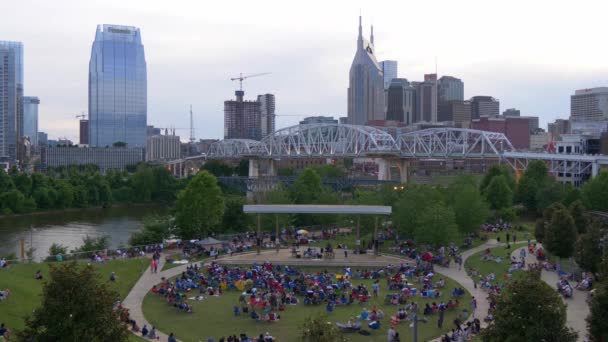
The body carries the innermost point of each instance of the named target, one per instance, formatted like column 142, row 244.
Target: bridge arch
column 327, row 140
column 452, row 142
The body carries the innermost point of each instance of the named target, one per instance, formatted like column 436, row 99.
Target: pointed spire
column 360, row 37
column 371, row 37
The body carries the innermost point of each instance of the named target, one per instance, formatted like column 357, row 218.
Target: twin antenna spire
column 371, row 37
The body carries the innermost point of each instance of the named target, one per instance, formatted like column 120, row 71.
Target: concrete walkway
column 577, row 306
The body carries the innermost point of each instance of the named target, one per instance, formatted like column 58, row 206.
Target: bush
column 91, row 244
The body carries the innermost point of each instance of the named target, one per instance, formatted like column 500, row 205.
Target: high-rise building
column 318, row 120
column 42, row 139
column 426, row 99
column 557, row 128
column 390, row 72
column 30, row 119
column 401, row 101
column 163, row 147
column 511, row 112
column 118, row 99
column 118, row 158
column 151, row 130
column 484, row 106
column 11, row 105
column 267, row 114
column 83, row 136
column 589, row 104
column 242, row 118
column 516, row 129
column 456, row 111
column 450, row 89
column 366, row 83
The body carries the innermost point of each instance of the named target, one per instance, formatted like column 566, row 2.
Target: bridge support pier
column 384, row 169
column 595, row 169
column 254, row 168
column 272, row 168
column 403, row 166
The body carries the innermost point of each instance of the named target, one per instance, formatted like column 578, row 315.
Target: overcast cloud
column 531, row 55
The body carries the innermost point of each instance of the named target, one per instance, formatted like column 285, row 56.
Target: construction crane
column 241, row 78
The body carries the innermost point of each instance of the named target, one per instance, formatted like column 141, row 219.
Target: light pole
column 416, row 320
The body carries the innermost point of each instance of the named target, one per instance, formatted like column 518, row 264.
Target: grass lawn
column 500, row 269
column 25, row 290
column 214, row 317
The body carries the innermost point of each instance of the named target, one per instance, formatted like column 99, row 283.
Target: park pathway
column 577, row 306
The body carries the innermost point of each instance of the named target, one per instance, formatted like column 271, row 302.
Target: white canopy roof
column 316, row 209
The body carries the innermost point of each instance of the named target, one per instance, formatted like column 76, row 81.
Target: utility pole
column 31, row 242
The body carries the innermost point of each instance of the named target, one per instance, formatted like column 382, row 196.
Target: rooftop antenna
column 191, row 127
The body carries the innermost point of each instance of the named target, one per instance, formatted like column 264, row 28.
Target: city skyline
column 192, row 53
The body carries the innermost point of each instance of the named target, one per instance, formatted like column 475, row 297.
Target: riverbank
column 93, row 208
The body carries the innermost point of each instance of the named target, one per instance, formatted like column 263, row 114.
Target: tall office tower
column 589, row 104
column 11, row 105
column 426, row 99
column 484, row 106
column 267, row 116
column 390, row 71
column 84, row 132
column 242, row 118
column 401, row 101
column 456, row 111
column 151, row 130
column 511, row 112
column 366, row 83
column 118, row 101
column 450, row 89
column 30, row 119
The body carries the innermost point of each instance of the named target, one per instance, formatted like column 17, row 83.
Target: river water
column 69, row 227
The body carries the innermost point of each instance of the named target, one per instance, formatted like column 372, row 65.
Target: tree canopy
column 412, row 202
column 595, row 192
column 199, row 207
column 531, row 308
column 76, row 306
column 560, row 234
column 498, row 193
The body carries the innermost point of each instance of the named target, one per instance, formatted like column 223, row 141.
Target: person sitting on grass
column 144, row 331
column 4, row 332
column 254, row 315
column 112, row 276
column 5, row 294
column 3, row 263
column 152, row 333
column 38, row 275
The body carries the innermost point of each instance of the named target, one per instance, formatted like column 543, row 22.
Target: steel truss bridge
column 334, row 141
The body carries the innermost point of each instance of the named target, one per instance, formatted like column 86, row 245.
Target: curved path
column 135, row 298
column 577, row 306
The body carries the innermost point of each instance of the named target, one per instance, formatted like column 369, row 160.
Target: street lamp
column 416, row 320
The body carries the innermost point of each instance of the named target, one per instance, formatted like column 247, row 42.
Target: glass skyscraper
column 117, row 87
column 30, row 118
column 11, row 94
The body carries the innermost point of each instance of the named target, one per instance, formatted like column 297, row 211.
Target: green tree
column 598, row 311
column 307, row 188
column 542, row 223
column 595, row 192
column 587, row 251
column 531, row 308
column 57, row 249
column 413, row 200
column 560, row 234
column 76, row 306
column 551, row 192
column 218, row 169
column 12, row 201
column 318, row 329
column 235, row 220
column 143, row 183
column 534, row 178
column 329, row 171
column 23, row 183
column 494, row 171
column 577, row 210
column 277, row 196
column 6, row 182
column 155, row 230
column 498, row 194
column 242, row 169
column 436, row 225
column 199, row 207
column 92, row 244
column 65, row 194
column 468, row 205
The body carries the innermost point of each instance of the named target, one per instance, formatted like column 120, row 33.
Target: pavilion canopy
column 317, row 209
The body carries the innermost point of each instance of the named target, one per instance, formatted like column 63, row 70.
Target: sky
column 531, row 55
